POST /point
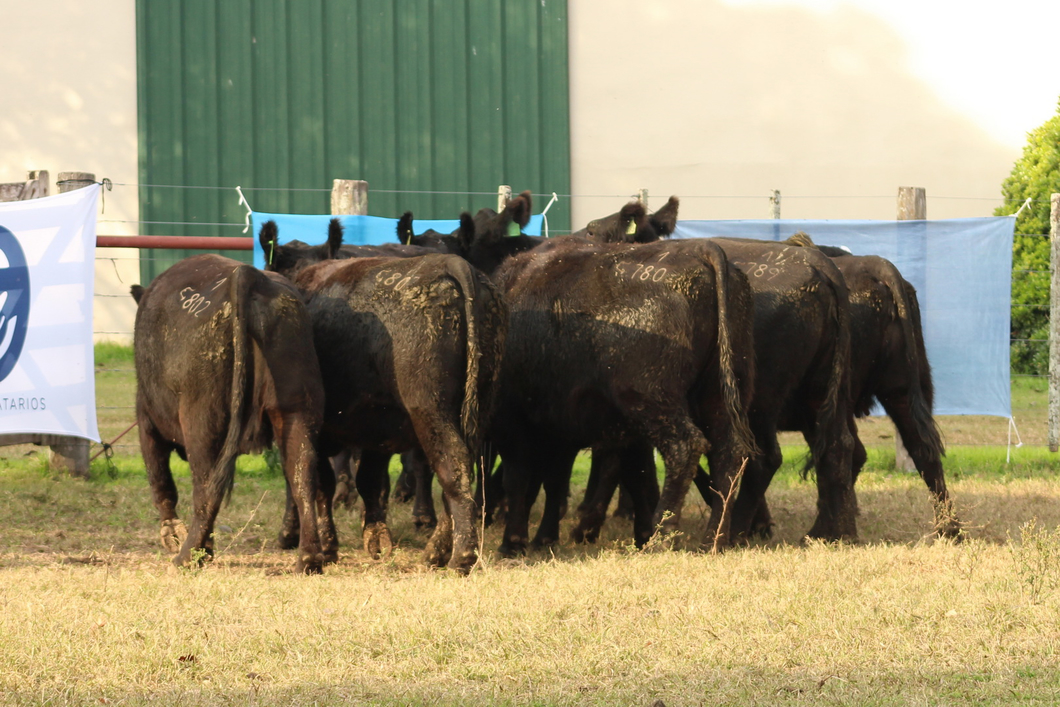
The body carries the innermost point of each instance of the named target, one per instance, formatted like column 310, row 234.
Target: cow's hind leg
column 423, row 513
column 604, row 474
column 836, row 501
column 156, row 453
column 519, row 478
column 556, row 482
column 199, row 545
column 455, row 539
column 373, row 483
column 681, row 444
column 290, row 526
column 301, row 471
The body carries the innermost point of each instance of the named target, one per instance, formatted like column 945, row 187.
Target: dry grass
column 91, row 611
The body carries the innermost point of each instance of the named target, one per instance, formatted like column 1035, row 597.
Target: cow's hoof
column 512, row 547
column 331, row 556
column 761, row 530
column 845, row 538
column 439, row 549
column 288, row 540
column 378, row 542
column 310, row 563
column 173, row 533
column 462, row 562
column 193, row 558
column 583, row 533
column 424, row 521
column 541, row 541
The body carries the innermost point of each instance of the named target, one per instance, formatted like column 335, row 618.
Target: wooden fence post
column 912, row 206
column 504, row 195
column 774, row 204
column 1054, row 323
column 642, row 197
column 349, row 197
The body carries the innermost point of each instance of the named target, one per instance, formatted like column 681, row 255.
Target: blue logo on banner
column 14, row 302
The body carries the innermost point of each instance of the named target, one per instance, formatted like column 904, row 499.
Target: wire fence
column 1027, row 428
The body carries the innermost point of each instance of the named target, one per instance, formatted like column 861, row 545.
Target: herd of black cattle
column 489, row 340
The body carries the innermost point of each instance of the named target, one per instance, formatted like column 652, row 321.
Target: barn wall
column 410, row 95
column 69, row 92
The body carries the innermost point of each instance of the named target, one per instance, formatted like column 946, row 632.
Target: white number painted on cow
column 773, row 266
column 194, row 303
column 642, row 271
column 391, row 278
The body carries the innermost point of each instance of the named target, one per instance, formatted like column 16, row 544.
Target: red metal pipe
column 176, row 242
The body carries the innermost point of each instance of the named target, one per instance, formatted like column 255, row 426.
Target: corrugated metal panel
column 282, row 96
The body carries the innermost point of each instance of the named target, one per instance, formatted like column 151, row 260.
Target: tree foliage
column 1036, row 175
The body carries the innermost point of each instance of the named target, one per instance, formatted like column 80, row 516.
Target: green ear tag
column 631, row 228
column 514, row 229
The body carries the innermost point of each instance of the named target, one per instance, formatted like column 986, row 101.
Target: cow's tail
column 223, row 474
column 715, row 257
column 460, row 271
column 921, row 391
column 838, row 387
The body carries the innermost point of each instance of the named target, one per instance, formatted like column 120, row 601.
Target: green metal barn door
column 434, row 102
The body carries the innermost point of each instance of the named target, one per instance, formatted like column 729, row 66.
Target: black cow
column 633, row 224
column 409, row 349
column 225, row 365
column 611, row 345
column 802, row 350
column 414, row 483
column 889, row 363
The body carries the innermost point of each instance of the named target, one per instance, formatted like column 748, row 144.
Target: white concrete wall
column 707, row 100
column 69, row 90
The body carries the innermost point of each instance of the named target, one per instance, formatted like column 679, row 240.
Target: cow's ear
column 519, row 209
column 465, row 235
column 137, row 292
column 404, row 228
column 664, row 221
column 630, row 218
column 334, row 238
column 269, row 236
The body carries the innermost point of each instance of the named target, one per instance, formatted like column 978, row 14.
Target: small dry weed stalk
column 726, row 503
column 1037, row 560
column 662, row 540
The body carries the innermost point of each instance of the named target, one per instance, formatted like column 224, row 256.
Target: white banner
column 47, row 264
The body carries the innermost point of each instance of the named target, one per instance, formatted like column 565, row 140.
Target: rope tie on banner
column 1020, row 211
column 107, row 186
column 243, row 202
column 544, row 214
column 108, row 448
column 1019, row 443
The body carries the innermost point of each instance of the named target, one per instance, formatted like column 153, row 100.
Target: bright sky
column 997, row 63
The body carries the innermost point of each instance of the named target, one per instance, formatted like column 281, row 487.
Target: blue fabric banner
column 357, row 230
column 962, row 271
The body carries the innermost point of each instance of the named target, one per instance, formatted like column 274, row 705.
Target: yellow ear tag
column 514, row 230
column 631, row 228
